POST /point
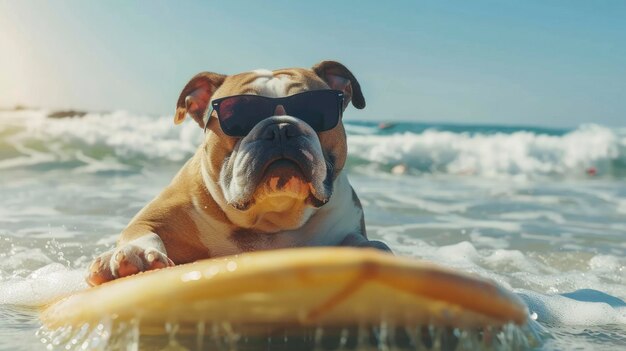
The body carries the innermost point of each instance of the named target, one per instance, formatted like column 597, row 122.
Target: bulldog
column 268, row 174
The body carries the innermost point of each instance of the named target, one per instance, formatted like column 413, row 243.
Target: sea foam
column 112, row 141
column 589, row 149
column 43, row 286
column 563, row 294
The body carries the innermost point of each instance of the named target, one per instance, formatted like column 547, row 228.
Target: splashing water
column 223, row 336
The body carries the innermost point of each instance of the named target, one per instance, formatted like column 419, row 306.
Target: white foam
column 522, row 153
column 126, row 136
column 511, row 260
column 606, row 263
column 109, row 136
column 561, row 310
column 487, row 241
column 538, row 280
column 42, row 286
column 20, row 259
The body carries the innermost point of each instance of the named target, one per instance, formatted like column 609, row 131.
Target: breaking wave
column 120, row 140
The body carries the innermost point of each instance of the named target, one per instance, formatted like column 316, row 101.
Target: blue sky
column 548, row 63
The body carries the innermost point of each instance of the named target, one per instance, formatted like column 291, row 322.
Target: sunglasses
column 238, row 114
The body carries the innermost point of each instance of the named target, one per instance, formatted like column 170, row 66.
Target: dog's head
column 274, row 177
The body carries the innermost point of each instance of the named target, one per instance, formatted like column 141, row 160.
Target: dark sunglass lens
column 320, row 108
column 239, row 114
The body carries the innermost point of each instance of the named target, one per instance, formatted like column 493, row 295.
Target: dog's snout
column 280, row 111
column 281, row 132
column 280, row 129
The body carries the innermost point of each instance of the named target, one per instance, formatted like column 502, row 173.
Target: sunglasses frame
column 215, row 104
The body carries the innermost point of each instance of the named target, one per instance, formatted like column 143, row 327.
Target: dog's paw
column 124, row 261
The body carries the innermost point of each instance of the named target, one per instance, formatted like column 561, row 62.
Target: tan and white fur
column 280, row 186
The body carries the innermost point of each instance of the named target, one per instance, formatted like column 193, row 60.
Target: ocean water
column 540, row 211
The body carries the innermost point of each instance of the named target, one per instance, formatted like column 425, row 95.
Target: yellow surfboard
column 293, row 288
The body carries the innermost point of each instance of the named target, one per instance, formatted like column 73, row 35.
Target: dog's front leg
column 359, row 240
column 144, row 253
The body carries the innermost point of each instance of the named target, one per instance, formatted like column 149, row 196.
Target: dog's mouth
column 284, row 178
column 283, row 175
column 284, row 167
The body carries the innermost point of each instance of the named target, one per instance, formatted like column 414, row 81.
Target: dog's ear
column 195, row 97
column 338, row 77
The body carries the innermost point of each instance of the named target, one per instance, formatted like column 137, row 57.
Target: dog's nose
column 280, row 129
column 280, row 111
column 281, row 132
